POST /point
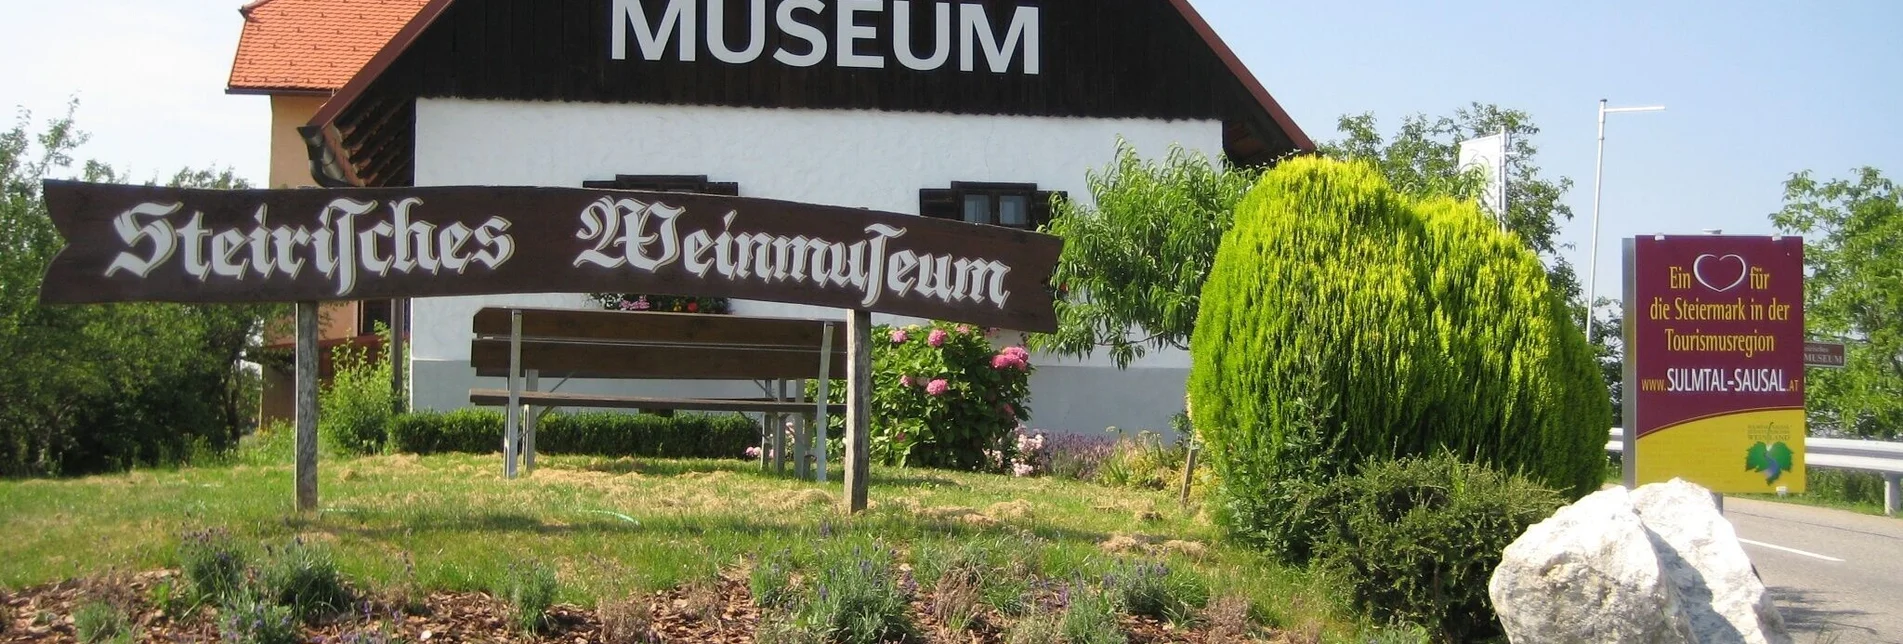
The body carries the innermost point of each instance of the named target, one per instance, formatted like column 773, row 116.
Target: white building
column 972, row 109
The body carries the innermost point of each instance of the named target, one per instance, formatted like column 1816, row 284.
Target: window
column 370, row 313
column 695, row 183
column 1012, row 205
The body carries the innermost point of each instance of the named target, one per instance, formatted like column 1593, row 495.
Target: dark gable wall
column 1098, row 58
column 1110, row 58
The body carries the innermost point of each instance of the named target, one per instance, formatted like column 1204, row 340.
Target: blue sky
column 1755, row 89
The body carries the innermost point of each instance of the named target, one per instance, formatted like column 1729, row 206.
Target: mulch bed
column 719, row 613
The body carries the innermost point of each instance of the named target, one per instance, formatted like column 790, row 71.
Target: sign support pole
column 306, row 406
column 858, row 406
column 825, row 396
column 399, row 356
column 1629, row 371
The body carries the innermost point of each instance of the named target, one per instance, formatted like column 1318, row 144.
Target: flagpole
column 1506, row 156
column 1599, row 168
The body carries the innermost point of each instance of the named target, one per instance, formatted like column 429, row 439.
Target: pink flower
column 937, row 387
column 937, row 338
column 642, row 304
column 1019, row 352
column 1022, row 469
column 905, row 381
column 1002, row 362
column 964, row 329
column 899, row 337
column 753, row 452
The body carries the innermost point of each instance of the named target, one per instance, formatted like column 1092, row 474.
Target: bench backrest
column 565, row 343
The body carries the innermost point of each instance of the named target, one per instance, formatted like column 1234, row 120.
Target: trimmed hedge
column 1345, row 322
column 479, row 431
column 1417, row 539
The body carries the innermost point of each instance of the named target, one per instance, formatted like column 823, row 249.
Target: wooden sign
column 1829, row 355
column 132, row 243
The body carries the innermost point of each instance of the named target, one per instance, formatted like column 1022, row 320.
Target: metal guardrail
column 1883, row 457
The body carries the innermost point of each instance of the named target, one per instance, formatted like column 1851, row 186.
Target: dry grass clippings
column 1013, row 510
column 628, row 621
column 700, row 601
column 956, row 597
column 1229, row 620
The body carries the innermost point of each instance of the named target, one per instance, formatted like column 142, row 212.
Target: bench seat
column 495, row 397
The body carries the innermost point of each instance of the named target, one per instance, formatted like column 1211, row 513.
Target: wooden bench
column 525, row 345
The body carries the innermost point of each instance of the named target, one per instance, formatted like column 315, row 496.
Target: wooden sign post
column 858, row 406
column 146, row 243
column 306, row 406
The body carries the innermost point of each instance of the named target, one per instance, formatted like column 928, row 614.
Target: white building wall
column 877, row 160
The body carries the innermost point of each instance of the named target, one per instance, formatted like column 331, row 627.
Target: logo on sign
column 1719, row 271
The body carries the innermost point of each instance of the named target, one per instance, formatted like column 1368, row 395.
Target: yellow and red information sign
column 1714, row 366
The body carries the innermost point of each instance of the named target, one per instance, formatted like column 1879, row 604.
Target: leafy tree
column 1608, row 343
column 101, row 387
column 1134, row 260
column 1422, row 159
column 1852, row 230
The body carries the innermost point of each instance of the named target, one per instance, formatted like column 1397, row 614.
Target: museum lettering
column 858, row 35
column 647, row 237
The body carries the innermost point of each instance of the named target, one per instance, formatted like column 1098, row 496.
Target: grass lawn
column 610, row 527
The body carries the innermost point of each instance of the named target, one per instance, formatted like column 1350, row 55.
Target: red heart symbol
column 1718, row 264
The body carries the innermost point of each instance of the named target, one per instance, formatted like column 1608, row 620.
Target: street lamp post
column 1599, row 167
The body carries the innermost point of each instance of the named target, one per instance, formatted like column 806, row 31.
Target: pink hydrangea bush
column 943, row 396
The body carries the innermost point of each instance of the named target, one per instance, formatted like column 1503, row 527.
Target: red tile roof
column 312, row 45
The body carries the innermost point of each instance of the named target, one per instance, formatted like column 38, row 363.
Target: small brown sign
column 1824, row 354
column 143, row 243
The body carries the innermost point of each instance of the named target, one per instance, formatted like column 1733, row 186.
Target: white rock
column 1587, row 574
column 1719, row 592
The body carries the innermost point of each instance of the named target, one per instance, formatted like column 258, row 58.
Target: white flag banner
column 1489, row 153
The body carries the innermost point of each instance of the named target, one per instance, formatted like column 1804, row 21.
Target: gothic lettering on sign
column 674, row 30
column 146, row 243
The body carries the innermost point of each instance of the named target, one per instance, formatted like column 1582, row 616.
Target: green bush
column 252, row 619
column 1344, row 322
column 771, row 580
column 529, row 589
column 98, row 621
column 1091, row 618
column 1144, row 462
column 1844, row 486
column 355, row 408
column 1154, row 589
column 942, row 396
column 1416, row 539
column 479, row 431
column 857, row 598
column 213, row 565
column 303, row 578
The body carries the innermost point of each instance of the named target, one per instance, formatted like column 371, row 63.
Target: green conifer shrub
column 1343, row 322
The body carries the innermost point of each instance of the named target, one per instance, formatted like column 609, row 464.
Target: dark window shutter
column 939, row 204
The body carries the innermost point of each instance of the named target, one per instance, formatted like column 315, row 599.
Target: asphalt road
column 1846, row 583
